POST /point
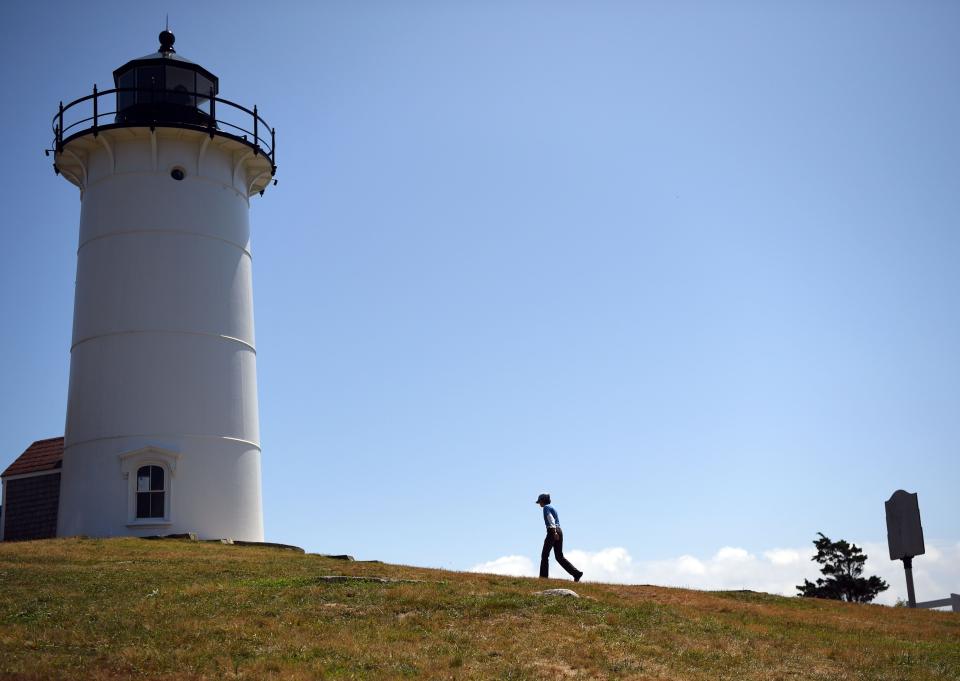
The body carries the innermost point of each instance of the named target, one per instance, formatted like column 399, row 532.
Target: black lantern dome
column 164, row 87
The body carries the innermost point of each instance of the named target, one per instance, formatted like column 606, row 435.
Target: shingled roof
column 42, row 455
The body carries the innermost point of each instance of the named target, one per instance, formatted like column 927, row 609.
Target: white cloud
column 688, row 565
column 517, row 566
column 777, row 570
column 607, row 564
column 732, row 554
column 784, row 556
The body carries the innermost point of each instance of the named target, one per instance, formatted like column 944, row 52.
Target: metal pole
column 60, row 130
column 256, row 137
column 94, row 109
column 213, row 112
column 153, row 100
column 908, row 569
column 273, row 151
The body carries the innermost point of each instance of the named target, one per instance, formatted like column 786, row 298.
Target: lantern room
column 163, row 86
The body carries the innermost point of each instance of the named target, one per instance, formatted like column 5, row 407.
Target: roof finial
column 167, row 39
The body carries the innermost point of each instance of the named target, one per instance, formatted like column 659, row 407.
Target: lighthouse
column 162, row 433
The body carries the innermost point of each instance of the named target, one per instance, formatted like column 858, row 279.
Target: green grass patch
column 127, row 608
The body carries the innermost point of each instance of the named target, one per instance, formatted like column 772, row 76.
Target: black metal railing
column 165, row 108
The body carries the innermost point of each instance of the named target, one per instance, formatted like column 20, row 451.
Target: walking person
column 553, row 540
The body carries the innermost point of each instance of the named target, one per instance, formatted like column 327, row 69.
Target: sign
column 904, row 532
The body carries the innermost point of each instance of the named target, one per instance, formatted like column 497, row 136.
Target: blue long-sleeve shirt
column 550, row 517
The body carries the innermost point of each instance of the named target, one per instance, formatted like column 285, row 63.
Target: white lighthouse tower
column 162, row 432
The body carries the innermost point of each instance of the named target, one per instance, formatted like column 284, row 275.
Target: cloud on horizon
column 776, row 570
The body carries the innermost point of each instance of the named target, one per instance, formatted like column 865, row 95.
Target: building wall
column 30, row 507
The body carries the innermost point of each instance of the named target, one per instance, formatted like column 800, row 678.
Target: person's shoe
column 578, row 576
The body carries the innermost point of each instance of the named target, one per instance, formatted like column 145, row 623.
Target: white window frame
column 130, row 463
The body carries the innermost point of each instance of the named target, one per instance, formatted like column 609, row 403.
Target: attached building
column 31, row 492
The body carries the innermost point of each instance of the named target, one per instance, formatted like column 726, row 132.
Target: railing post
column 95, row 133
column 213, row 113
column 60, row 129
column 256, row 138
column 273, row 151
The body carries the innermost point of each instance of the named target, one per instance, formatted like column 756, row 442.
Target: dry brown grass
column 127, row 608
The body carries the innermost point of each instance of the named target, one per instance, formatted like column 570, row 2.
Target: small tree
column 842, row 566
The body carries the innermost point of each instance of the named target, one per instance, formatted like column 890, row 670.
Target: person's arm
column 550, row 518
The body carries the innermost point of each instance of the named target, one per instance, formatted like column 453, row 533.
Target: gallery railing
column 164, row 108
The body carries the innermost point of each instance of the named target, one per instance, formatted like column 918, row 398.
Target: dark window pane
column 156, row 478
column 125, row 99
column 143, row 504
column 149, row 79
column 143, row 479
column 182, row 84
column 203, row 89
column 156, row 504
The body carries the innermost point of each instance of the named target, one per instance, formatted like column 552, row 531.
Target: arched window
column 151, row 492
column 149, row 473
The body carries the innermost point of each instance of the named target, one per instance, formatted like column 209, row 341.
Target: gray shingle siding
column 31, row 507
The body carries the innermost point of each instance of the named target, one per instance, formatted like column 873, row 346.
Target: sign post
column 905, row 534
column 908, row 570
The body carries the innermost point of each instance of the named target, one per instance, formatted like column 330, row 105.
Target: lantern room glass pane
column 126, row 80
column 181, row 86
column 204, row 86
column 149, row 84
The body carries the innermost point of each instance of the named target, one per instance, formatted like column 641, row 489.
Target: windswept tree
column 842, row 569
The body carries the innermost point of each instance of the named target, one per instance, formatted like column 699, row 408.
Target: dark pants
column 557, row 546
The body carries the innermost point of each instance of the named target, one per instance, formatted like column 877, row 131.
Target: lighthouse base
column 149, row 485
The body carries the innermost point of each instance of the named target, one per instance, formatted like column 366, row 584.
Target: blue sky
column 691, row 268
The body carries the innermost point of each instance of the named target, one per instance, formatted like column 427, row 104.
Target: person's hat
column 545, row 498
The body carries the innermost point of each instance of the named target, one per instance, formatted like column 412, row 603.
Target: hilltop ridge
column 128, row 608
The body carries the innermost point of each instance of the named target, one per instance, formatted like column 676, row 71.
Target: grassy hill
column 123, row 608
